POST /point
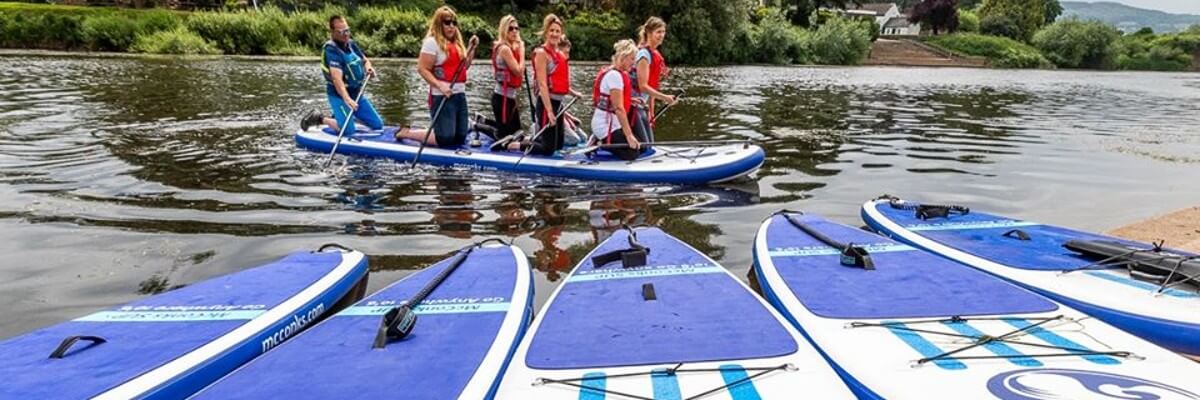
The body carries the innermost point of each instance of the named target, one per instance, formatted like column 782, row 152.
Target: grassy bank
column 759, row 36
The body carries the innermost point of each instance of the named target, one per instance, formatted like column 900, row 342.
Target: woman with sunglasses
column 553, row 77
column 443, row 63
column 508, row 66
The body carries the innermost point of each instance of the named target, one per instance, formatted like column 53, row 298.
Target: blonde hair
column 502, row 31
column 547, row 22
column 652, row 24
column 435, row 30
column 623, row 48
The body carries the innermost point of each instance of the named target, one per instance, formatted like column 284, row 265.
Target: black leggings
column 551, row 139
column 508, row 119
column 617, row 136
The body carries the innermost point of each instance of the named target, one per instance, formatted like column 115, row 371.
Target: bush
column 109, row 32
column 1073, row 43
column 839, row 41
column 1145, row 51
column 1000, row 51
column 392, row 32
column 968, row 21
column 1001, row 25
column 592, row 34
column 175, row 41
column 778, row 42
column 243, row 32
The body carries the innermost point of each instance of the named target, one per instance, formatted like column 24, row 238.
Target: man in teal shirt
column 345, row 68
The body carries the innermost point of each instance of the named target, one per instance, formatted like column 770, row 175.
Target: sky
column 1171, row 6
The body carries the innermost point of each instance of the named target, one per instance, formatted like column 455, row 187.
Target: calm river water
column 121, row 177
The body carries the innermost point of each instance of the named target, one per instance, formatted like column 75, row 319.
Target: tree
column 1053, row 10
column 1000, row 25
column 967, row 21
column 939, row 15
column 701, row 31
column 1073, row 43
column 800, row 10
column 1026, row 15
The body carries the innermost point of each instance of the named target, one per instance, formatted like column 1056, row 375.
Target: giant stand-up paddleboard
column 678, row 327
column 170, row 345
column 664, row 164
column 465, row 332
column 1035, row 256
column 911, row 325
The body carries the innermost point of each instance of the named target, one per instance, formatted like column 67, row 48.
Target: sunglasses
column 344, row 31
column 514, row 28
column 451, row 22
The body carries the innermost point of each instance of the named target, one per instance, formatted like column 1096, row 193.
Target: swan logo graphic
column 1063, row 384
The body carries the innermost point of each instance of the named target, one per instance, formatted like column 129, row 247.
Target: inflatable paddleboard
column 907, row 324
column 1033, row 255
column 464, row 334
column 170, row 345
column 665, row 164
column 678, row 327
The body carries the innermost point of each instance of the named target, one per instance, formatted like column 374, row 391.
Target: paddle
column 349, row 121
column 461, row 67
column 529, row 92
column 659, row 114
column 696, row 143
column 564, row 109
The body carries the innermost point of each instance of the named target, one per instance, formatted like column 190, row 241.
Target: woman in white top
column 443, row 64
column 612, row 98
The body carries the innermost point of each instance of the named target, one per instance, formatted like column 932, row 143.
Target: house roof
column 898, row 22
column 878, row 8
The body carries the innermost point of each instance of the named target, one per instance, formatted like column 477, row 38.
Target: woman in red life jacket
column 508, row 66
column 553, row 77
column 442, row 56
column 649, row 69
column 612, row 97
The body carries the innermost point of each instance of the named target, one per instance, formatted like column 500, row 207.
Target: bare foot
column 402, row 132
column 514, row 146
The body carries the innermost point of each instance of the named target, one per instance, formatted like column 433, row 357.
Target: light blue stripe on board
column 998, row 348
column 732, row 373
column 429, row 309
column 923, row 346
column 593, row 386
column 666, row 385
column 643, row 272
column 170, row 316
column 953, row 226
column 1147, row 286
column 1055, row 339
column 829, row 251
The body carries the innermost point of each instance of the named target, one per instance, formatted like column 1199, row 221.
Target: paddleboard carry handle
column 1017, row 234
column 925, row 211
column 66, row 344
column 632, row 257
column 851, row 255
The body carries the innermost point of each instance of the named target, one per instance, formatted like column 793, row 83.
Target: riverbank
column 1180, row 230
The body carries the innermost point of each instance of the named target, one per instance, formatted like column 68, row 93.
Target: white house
column 889, row 18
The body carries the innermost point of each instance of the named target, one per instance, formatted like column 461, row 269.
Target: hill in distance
column 1127, row 18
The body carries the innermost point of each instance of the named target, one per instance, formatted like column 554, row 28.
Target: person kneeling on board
column 345, row 68
column 443, row 63
column 612, row 98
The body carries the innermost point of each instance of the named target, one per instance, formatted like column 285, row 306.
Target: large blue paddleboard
column 681, row 326
column 170, row 345
column 1033, row 255
column 465, row 333
column 663, row 164
column 919, row 326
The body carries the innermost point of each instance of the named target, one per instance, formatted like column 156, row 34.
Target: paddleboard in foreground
column 1145, row 290
column 901, row 323
column 170, row 345
column 653, row 318
column 665, row 164
column 463, row 335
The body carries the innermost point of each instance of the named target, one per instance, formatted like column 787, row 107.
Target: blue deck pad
column 906, row 283
column 982, row 235
column 697, row 317
column 151, row 332
column 455, row 329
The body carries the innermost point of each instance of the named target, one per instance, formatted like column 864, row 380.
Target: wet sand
column 1181, row 229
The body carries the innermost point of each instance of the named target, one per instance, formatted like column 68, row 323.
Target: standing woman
column 648, row 72
column 508, row 64
column 612, row 97
column 443, row 63
column 553, row 77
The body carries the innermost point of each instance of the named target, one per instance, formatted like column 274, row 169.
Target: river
column 121, row 177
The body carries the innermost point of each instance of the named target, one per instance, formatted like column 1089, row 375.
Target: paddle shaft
column 668, row 106
column 529, row 92
column 349, row 121
column 543, row 130
column 437, row 113
column 659, row 144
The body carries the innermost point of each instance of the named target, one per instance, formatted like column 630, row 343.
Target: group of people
column 624, row 93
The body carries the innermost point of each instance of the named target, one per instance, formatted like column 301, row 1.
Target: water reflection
column 99, row 156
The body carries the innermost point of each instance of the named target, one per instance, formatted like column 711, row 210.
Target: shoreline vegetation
column 701, row 33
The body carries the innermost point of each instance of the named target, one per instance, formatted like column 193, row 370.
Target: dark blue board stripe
column 998, row 348
column 1057, row 340
column 666, row 385
column 732, row 374
column 923, row 346
column 593, row 386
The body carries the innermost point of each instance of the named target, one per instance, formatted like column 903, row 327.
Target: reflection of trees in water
column 807, row 127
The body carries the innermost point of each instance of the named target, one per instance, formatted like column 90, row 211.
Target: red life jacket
column 603, row 102
column 446, row 71
column 657, row 63
column 505, row 78
column 558, row 73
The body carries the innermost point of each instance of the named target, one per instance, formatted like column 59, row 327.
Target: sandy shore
column 1181, row 229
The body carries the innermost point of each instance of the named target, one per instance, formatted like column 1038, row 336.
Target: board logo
column 1055, row 384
